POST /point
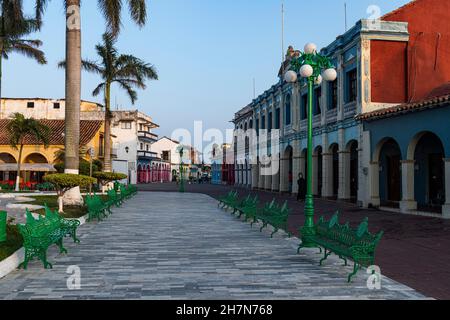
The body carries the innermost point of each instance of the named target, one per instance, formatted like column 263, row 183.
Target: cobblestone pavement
column 413, row 250
column 180, row 246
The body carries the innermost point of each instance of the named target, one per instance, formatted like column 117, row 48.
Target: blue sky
column 207, row 53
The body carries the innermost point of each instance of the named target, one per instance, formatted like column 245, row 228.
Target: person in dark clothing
column 301, row 196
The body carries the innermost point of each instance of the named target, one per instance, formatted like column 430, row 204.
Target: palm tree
column 13, row 28
column 112, row 10
column 20, row 128
column 127, row 71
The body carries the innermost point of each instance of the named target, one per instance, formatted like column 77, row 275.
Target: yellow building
column 37, row 160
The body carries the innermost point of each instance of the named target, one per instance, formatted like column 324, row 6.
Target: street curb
column 11, row 263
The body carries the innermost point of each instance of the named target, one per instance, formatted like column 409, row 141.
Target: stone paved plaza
column 180, row 246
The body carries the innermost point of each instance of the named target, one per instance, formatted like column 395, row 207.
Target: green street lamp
column 315, row 68
column 181, row 152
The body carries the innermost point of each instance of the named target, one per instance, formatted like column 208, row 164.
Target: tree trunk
column 60, row 204
column 19, row 163
column 73, row 97
column 108, row 164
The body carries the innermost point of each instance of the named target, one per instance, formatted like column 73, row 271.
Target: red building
column 407, row 71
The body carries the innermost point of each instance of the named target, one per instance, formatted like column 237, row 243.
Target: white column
column 276, row 175
column 255, row 175
column 446, row 207
column 261, row 177
column 408, row 202
column 375, row 184
column 327, row 175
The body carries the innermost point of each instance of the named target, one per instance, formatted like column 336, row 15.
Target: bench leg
column 27, row 258
column 263, row 227
column 344, row 259
column 74, row 236
column 325, row 257
column 62, row 250
column 43, row 258
column 356, row 267
column 273, row 233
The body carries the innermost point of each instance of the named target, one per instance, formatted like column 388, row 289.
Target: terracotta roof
column 88, row 130
column 430, row 103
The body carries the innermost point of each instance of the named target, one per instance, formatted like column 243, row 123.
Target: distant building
column 133, row 142
column 222, row 165
column 168, row 149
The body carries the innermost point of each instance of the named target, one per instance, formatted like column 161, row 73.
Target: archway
column 35, row 175
column 429, row 173
column 352, row 147
column 8, row 171
column 390, row 173
column 148, row 173
column 318, row 171
column 139, row 174
column 334, row 150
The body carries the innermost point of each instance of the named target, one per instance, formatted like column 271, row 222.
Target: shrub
column 46, row 186
column 64, row 182
column 106, row 177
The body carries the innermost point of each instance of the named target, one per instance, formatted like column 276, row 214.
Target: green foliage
column 64, row 182
column 127, row 71
column 106, row 177
column 84, row 167
column 20, row 126
column 6, row 186
column 46, row 186
column 13, row 242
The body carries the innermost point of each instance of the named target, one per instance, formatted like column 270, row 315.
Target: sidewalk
column 181, row 246
column 414, row 250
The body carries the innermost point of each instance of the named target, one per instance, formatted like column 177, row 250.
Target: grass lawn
column 69, row 211
column 13, row 243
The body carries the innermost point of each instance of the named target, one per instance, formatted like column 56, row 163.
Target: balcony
column 147, row 155
column 147, row 136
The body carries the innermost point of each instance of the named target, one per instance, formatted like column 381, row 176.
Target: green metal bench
column 276, row 216
column 97, row 208
column 127, row 192
column 347, row 243
column 38, row 235
column 230, row 200
column 114, row 198
column 246, row 205
column 69, row 227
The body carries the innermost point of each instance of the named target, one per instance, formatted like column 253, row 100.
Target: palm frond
column 28, row 50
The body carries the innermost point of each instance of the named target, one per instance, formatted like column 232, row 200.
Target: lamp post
column 315, row 68
column 181, row 151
